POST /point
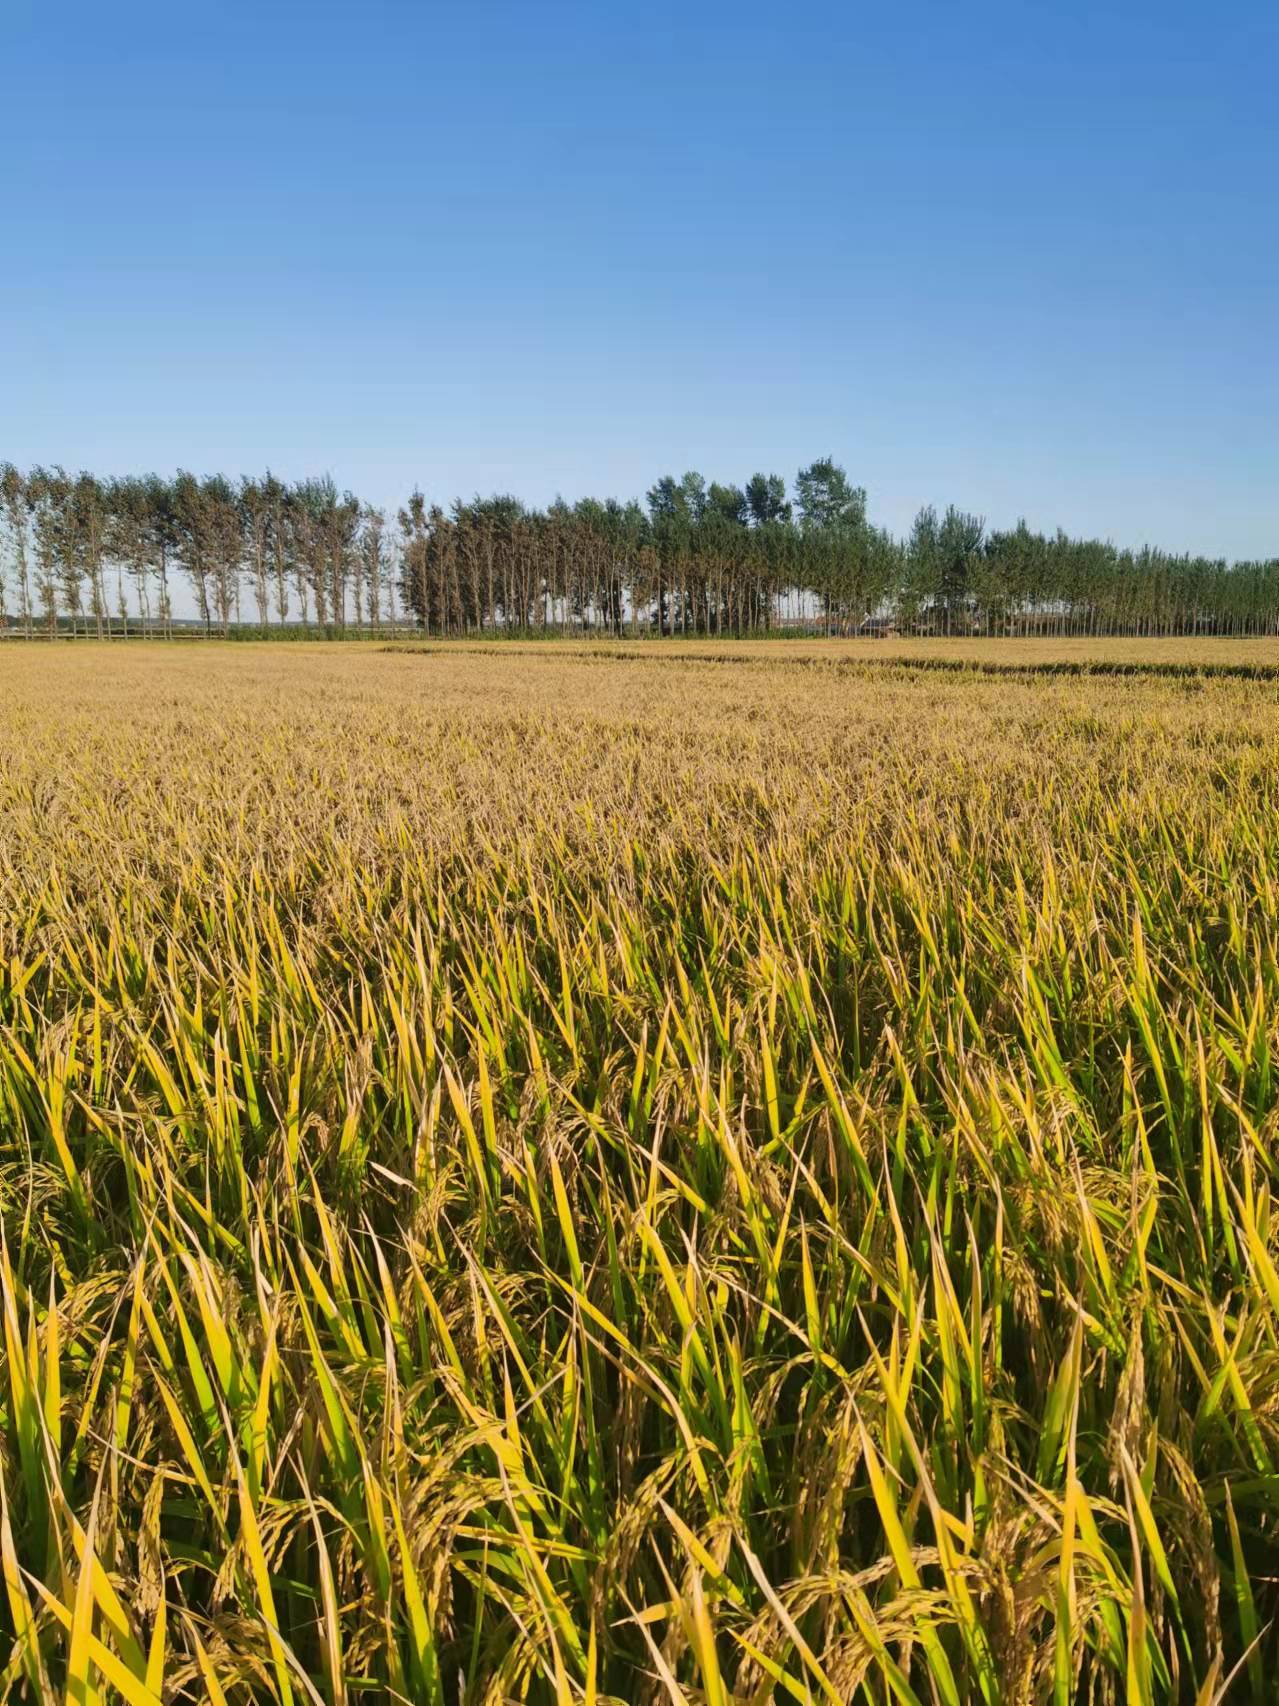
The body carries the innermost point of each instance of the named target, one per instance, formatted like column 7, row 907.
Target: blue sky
column 1023, row 257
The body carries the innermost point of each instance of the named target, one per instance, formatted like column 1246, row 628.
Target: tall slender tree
column 16, row 503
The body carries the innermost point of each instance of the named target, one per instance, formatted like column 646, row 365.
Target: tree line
column 81, row 554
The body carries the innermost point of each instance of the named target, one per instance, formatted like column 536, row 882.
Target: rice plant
column 540, row 1178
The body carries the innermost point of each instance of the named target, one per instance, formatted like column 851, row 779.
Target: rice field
column 529, row 1175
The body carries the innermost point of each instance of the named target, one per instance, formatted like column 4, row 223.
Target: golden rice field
column 555, row 1177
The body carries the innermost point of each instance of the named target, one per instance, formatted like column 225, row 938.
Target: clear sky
column 1023, row 257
